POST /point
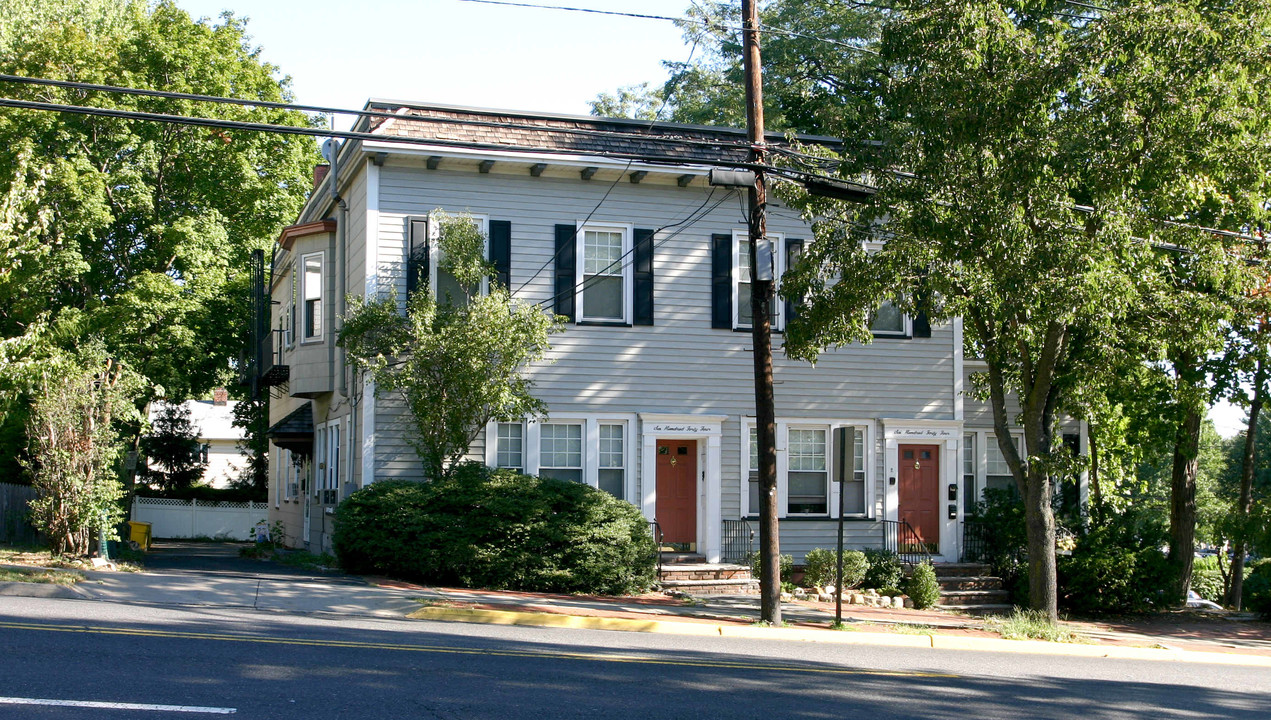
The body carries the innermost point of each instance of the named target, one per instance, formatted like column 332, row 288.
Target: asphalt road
column 205, row 662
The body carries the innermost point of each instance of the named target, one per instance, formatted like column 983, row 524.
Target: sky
column 461, row 53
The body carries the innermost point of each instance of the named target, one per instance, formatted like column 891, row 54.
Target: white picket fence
column 171, row 518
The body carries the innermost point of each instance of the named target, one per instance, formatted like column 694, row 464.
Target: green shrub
column 1256, row 594
column 785, row 563
column 820, row 568
column 497, row 529
column 1117, row 567
column 884, row 570
column 922, row 587
column 1208, row 583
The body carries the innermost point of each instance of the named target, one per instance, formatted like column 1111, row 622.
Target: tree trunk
column 1043, row 585
column 1245, row 505
column 1182, row 543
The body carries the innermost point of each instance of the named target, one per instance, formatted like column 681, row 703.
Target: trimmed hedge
column 1257, row 589
column 497, row 529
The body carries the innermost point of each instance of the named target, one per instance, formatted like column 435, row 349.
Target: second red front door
column 920, row 491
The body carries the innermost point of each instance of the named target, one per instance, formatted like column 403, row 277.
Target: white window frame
column 990, row 440
column 784, row 425
column 434, row 247
column 305, row 337
column 498, row 437
column 906, row 327
column 591, row 422
column 828, row 450
column 778, row 241
column 907, row 321
column 626, row 266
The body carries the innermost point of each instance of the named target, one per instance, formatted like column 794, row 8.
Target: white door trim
column 709, row 429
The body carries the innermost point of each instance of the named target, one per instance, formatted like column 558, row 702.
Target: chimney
column 319, row 174
column 220, row 396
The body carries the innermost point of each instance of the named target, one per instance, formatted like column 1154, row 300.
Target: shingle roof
column 505, row 129
column 298, row 423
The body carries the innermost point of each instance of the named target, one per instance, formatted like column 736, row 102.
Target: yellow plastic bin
column 138, row 535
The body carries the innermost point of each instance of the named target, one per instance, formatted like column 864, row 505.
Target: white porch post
column 712, row 528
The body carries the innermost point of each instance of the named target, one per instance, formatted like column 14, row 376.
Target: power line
column 704, row 23
column 170, row 95
column 356, row 135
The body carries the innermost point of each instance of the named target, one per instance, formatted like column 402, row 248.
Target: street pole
column 761, row 285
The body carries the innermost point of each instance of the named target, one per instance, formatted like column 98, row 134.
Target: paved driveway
column 223, row 558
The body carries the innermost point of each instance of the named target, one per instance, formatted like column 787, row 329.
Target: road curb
column 751, row 632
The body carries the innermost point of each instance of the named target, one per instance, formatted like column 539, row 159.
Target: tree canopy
column 137, row 233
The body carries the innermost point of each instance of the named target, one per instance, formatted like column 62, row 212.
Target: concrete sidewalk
column 213, row 575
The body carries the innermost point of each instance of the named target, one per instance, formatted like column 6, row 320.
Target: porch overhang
column 295, row 431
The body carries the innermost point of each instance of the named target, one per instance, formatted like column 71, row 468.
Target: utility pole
column 761, row 285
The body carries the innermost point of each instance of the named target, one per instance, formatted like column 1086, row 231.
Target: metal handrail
column 656, row 530
column 900, row 538
column 738, row 542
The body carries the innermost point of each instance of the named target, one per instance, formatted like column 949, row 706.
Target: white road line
column 117, row 705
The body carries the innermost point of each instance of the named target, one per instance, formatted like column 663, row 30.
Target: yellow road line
column 595, row 657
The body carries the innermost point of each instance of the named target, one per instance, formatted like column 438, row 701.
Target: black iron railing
column 901, row 538
column 656, row 531
column 738, row 541
column 975, row 541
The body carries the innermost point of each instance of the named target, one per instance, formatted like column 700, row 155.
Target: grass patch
column 47, row 576
column 843, row 627
column 766, row 624
column 125, row 560
column 1031, row 625
column 912, row 629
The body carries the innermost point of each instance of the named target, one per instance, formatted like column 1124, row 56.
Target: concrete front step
column 948, row 570
column 678, row 558
column 973, row 597
column 969, row 582
column 713, row 587
column 987, row 609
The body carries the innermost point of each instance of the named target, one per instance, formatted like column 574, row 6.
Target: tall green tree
column 1054, row 169
column 142, row 231
column 458, row 362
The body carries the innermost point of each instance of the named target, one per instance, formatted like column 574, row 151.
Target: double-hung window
column 807, row 473
column 997, row 473
column 743, row 317
column 853, row 471
column 968, row 473
column 889, row 320
column 604, row 275
column 752, row 476
column 311, row 288
column 611, row 475
column 510, row 446
column 560, row 453
column 449, row 290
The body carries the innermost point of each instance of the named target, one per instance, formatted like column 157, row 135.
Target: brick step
column 705, row 572
column 713, row 587
column 986, row 609
column 947, row 570
column 973, row 597
column 969, row 582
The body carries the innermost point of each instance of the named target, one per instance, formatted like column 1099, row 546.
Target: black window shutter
column 794, row 249
column 722, row 281
column 643, row 281
column 417, row 269
column 501, row 252
column 566, row 265
column 922, row 325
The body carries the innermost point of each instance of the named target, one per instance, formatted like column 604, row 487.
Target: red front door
column 677, row 490
column 920, row 491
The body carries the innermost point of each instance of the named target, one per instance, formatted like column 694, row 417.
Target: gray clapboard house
column 612, row 223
